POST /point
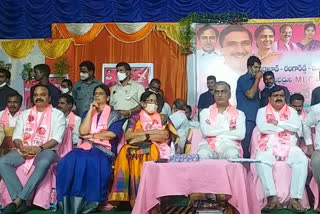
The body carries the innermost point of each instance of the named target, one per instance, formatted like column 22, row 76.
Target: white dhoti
column 298, row 163
column 225, row 150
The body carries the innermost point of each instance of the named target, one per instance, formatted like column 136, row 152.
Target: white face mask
column 121, row 76
column 3, row 84
column 84, row 76
column 151, row 108
column 64, row 90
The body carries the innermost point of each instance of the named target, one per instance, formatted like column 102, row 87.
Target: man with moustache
column 235, row 42
column 222, row 126
column 285, row 43
column 38, row 132
column 269, row 82
column 83, row 89
column 125, row 96
column 41, row 74
column 8, row 120
column 278, row 125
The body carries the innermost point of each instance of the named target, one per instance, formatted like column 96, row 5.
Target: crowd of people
column 108, row 133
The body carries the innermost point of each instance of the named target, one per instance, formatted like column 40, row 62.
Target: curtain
column 21, row 19
column 157, row 48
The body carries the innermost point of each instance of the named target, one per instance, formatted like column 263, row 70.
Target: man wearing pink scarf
column 278, row 125
column 222, row 126
column 38, row 132
column 8, row 120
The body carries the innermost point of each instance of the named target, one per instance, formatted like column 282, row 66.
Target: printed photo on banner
column 290, row 50
column 140, row 72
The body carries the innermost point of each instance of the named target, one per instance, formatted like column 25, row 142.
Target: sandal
column 295, row 206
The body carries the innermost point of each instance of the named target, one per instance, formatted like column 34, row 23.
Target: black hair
column 68, row 98
column 211, row 77
column 268, row 73
column 233, row 28
column 15, row 95
column 252, row 59
column 69, row 82
column 43, row 68
column 263, row 27
column 88, row 64
column 296, row 96
column 6, row 73
column 103, row 87
column 125, row 65
column 207, row 27
column 180, row 104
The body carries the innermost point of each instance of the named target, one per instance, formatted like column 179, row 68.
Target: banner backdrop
column 290, row 50
column 140, row 72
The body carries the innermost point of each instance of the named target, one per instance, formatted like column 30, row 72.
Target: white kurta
column 75, row 133
column 181, row 124
column 58, row 125
column 296, row 159
column 313, row 119
column 12, row 119
column 225, row 138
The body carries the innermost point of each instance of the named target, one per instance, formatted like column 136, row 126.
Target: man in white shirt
column 65, row 104
column 222, row 126
column 38, row 132
column 9, row 116
column 8, row 120
column 125, row 96
column 180, row 122
column 313, row 120
column 278, row 125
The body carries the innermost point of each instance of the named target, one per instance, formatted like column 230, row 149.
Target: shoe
column 23, row 208
column 10, row 208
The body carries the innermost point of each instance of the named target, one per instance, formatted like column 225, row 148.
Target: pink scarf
column 281, row 144
column 232, row 120
column 67, row 144
column 4, row 120
column 98, row 127
column 283, row 47
column 303, row 114
column 36, row 133
column 155, row 122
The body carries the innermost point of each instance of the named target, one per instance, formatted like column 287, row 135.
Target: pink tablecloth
column 207, row 176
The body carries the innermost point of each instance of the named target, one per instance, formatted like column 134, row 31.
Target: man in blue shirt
column 269, row 82
column 248, row 99
column 206, row 99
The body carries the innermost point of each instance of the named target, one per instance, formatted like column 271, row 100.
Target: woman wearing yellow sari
column 147, row 137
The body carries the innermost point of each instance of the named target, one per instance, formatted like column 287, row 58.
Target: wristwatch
column 41, row 148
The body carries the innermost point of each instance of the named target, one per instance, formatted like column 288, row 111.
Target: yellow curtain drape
column 54, row 49
column 121, row 36
column 80, row 40
column 171, row 29
column 18, row 48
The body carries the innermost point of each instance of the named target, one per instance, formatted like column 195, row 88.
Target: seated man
column 180, row 122
column 313, row 120
column 193, row 124
column 278, row 124
column 65, row 104
column 8, row 120
column 222, row 126
column 147, row 137
column 38, row 132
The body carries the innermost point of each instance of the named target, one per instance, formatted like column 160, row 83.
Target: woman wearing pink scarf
column 147, row 137
column 83, row 174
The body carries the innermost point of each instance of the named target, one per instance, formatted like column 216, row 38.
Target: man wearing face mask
column 5, row 90
column 66, row 87
column 269, row 82
column 83, row 89
column 248, row 99
column 125, row 96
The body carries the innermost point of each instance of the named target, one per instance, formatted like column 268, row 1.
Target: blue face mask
column 270, row 86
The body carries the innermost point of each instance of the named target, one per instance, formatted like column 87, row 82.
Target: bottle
column 172, row 149
column 53, row 200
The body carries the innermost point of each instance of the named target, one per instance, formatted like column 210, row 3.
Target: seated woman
column 148, row 139
column 83, row 174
